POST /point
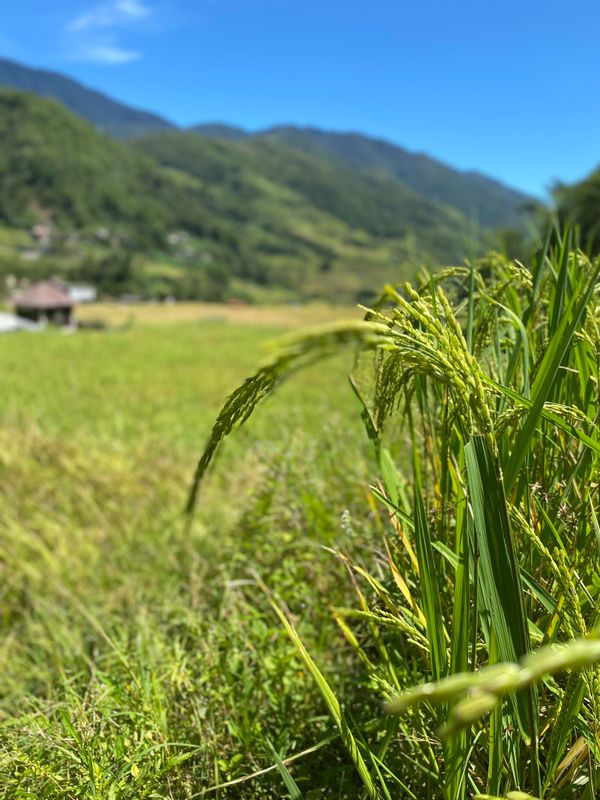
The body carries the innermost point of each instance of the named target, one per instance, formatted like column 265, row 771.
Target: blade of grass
column 328, row 695
column 456, row 748
column 290, row 783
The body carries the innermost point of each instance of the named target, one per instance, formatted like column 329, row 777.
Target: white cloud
column 106, row 54
column 92, row 36
column 110, row 15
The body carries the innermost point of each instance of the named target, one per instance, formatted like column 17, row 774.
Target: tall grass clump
column 479, row 390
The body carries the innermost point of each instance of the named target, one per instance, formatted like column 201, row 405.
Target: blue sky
column 509, row 88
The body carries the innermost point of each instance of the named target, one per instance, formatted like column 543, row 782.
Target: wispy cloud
column 110, row 15
column 94, row 36
column 105, row 54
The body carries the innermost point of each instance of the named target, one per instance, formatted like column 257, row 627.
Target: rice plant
column 479, row 390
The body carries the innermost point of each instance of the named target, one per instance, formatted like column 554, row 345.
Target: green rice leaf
column 546, row 375
column 499, row 578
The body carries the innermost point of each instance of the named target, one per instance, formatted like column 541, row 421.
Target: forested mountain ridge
column 54, row 165
column 110, row 116
column 219, row 211
column 204, row 217
column 220, row 130
column 79, row 204
column 487, row 203
column 372, row 203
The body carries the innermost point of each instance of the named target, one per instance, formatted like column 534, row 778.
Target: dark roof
column 43, row 295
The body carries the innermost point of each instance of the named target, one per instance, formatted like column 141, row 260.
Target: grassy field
column 267, row 645
column 135, row 660
column 275, row 316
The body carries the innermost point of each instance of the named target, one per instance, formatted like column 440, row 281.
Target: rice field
column 123, row 647
column 282, row 316
column 386, row 588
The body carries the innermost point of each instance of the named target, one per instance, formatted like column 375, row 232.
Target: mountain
column 77, row 204
column 54, row 165
column 218, row 211
column 483, row 200
column 373, row 203
column 202, row 217
column 287, row 202
column 106, row 114
column 220, row 130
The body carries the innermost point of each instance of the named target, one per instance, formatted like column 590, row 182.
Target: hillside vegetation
column 579, row 205
column 485, row 202
column 372, row 203
column 54, row 165
column 253, row 216
column 212, row 213
column 282, row 214
column 105, row 113
column 302, row 214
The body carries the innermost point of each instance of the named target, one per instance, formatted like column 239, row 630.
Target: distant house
column 176, row 238
column 42, row 234
column 10, row 323
column 81, row 293
column 44, row 302
column 102, row 234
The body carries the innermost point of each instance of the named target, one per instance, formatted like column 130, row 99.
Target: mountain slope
column 56, row 166
column 219, row 130
column 106, row 114
column 244, row 173
column 205, row 217
column 248, row 218
column 486, row 201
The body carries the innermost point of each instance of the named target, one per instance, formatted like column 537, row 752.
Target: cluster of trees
column 120, row 273
column 579, row 205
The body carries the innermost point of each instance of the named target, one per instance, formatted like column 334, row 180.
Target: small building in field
column 44, row 302
column 81, row 293
column 42, row 234
column 10, row 323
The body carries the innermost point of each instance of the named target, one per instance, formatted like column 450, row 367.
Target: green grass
column 132, row 664
column 408, row 613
